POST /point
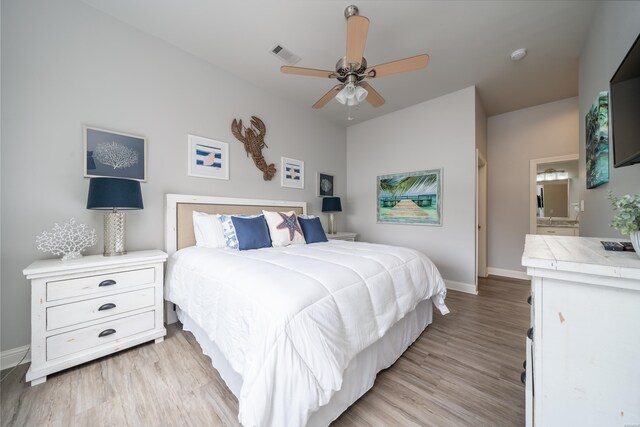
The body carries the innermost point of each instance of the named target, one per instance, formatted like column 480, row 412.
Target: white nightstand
column 342, row 235
column 91, row 307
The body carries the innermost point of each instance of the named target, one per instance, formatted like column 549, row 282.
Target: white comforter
column 290, row 319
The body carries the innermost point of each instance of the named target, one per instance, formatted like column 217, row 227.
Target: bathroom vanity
column 557, row 227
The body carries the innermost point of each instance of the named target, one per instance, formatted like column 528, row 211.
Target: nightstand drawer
column 96, row 335
column 343, row 235
column 60, row 316
column 98, row 284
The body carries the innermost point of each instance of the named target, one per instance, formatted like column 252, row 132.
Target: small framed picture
column 325, row 185
column 114, row 154
column 208, row 158
column 292, row 173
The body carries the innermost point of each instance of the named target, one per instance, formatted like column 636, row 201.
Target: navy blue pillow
column 252, row 233
column 312, row 230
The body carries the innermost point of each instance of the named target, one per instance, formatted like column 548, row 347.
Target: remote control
column 617, row 246
column 612, row 246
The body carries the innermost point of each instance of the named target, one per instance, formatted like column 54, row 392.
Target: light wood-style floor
column 464, row 370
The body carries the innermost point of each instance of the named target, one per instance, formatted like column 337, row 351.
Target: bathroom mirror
column 554, row 190
column 553, row 198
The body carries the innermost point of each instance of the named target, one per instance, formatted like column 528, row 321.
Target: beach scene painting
column 411, row 198
column 597, row 141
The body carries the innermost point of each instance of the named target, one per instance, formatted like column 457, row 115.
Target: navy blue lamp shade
column 331, row 204
column 114, row 193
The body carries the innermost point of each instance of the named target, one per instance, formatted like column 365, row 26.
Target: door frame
column 481, row 216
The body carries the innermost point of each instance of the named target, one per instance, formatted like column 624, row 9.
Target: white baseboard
column 10, row 358
column 514, row 274
column 462, row 287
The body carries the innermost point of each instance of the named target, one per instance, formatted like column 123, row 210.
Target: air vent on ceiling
column 285, row 54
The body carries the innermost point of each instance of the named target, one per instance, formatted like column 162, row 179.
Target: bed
column 298, row 333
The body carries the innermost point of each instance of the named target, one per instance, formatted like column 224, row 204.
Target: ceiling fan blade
column 328, row 96
column 400, row 66
column 357, row 28
column 373, row 97
column 312, row 72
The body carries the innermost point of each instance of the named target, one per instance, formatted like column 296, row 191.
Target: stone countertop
column 584, row 255
column 558, row 223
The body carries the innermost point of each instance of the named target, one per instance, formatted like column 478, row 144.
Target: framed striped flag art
column 208, row 158
column 292, row 173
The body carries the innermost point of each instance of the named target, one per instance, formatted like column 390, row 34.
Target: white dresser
column 91, row 307
column 583, row 364
column 342, row 235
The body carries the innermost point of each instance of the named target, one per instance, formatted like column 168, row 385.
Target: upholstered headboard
column 179, row 210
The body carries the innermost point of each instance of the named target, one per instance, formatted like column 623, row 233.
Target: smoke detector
column 518, row 54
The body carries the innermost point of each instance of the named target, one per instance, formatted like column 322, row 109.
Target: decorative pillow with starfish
column 284, row 228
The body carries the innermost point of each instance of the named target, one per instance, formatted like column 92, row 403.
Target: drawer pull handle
column 108, row 282
column 106, row 333
column 530, row 333
column 107, row 306
column 529, row 300
column 523, row 377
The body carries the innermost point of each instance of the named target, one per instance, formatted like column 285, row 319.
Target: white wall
column 481, row 127
column 439, row 133
column 64, row 64
column 614, row 29
column 515, row 138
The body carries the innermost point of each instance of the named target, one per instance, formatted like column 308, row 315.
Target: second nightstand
column 343, row 235
column 91, row 307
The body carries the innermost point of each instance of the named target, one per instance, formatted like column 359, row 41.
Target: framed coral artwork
column 114, row 154
column 325, row 185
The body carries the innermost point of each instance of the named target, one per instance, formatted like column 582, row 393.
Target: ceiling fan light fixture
column 352, row 102
column 352, row 69
column 341, row 97
column 349, row 90
column 347, row 93
column 351, row 94
column 361, row 94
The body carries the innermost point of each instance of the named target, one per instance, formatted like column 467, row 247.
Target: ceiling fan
column 352, row 70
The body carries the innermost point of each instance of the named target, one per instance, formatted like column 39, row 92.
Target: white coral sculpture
column 116, row 155
column 68, row 239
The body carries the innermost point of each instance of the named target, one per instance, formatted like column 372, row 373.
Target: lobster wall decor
column 253, row 140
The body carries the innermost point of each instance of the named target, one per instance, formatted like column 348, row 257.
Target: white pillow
column 284, row 228
column 208, row 230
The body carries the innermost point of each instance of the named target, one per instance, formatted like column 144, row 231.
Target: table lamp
column 112, row 194
column 331, row 204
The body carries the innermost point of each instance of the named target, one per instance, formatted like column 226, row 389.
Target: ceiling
column 469, row 43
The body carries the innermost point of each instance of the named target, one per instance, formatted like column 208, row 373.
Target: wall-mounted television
column 624, row 104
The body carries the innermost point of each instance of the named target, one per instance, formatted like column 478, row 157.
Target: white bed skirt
column 360, row 373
